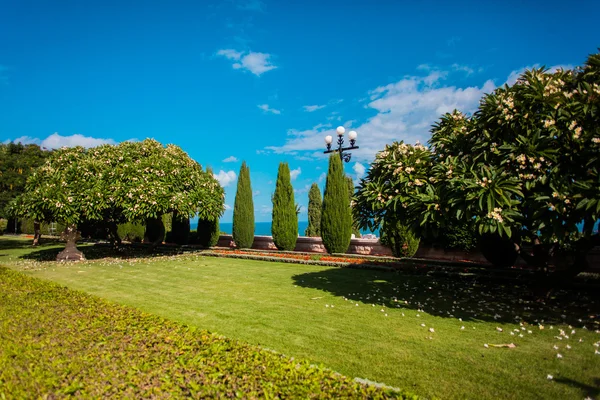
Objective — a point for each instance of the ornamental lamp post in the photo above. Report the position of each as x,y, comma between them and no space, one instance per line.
340,142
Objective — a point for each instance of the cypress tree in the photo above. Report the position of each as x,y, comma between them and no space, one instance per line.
284,227
243,211
355,229
336,218
314,212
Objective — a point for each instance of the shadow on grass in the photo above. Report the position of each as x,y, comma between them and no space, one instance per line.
466,297
103,250
15,242
590,391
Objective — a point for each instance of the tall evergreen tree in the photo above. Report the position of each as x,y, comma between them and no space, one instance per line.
285,219
336,219
243,211
355,229
315,203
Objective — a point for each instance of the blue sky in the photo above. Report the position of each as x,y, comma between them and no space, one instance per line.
266,81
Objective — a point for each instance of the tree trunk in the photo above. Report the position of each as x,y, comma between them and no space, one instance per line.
70,253
37,233
113,234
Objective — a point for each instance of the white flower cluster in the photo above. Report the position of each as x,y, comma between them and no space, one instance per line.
484,182
507,106
496,214
576,130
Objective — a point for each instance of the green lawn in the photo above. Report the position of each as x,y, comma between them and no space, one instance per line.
349,320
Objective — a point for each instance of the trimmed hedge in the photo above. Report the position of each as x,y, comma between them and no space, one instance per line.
131,232
57,343
399,238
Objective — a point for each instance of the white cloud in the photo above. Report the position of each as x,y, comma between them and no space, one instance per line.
228,207
313,108
359,169
225,178
305,189
514,75
230,54
464,68
230,159
295,173
406,109
266,108
265,210
322,177
257,63
56,141
256,193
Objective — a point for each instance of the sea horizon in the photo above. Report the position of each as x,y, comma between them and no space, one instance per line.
264,228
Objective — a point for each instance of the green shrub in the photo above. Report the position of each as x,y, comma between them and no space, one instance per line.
208,233
131,232
3,225
336,218
26,227
399,238
355,228
315,203
180,229
155,231
93,348
284,227
243,211
455,237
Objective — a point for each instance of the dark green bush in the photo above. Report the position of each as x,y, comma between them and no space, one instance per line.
284,227
315,204
155,231
243,211
26,227
180,229
336,218
92,348
399,238
131,232
208,233
455,237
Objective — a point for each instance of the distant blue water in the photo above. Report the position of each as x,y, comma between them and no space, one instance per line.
264,228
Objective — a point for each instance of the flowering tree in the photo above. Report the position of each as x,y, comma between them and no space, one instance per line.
524,166
133,181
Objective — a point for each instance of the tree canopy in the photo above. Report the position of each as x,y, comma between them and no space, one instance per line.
132,181
16,163
523,166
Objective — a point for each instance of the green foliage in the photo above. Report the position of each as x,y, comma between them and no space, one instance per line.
140,355
336,218
355,227
180,230
526,164
131,181
17,161
284,227
155,230
459,236
399,238
131,231
243,211
208,233
46,228
3,225
315,204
